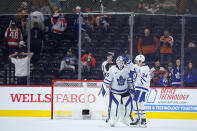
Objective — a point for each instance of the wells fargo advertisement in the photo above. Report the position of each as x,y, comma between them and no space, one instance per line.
175,103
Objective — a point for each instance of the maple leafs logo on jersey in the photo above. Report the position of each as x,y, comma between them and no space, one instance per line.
121,81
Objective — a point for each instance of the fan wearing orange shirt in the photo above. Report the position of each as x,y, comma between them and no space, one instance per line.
88,62
166,43
147,45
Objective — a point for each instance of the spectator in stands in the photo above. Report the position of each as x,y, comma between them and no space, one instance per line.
21,66
169,70
38,18
166,43
76,23
190,76
181,6
156,73
52,3
154,6
47,11
24,7
37,37
87,42
45,8
103,20
68,62
62,4
90,19
88,62
147,45
164,80
36,4
21,20
22,47
107,63
37,14
13,36
59,25
141,6
191,53
176,74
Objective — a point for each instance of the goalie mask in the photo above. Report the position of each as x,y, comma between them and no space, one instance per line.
120,62
139,59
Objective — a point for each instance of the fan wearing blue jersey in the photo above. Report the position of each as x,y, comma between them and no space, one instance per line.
116,86
141,79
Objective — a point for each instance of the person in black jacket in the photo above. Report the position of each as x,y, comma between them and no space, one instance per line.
36,41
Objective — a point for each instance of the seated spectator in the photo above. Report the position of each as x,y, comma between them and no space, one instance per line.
190,76
169,70
103,20
106,64
13,36
191,53
88,62
164,80
176,74
68,62
156,73
166,43
147,45
154,7
21,66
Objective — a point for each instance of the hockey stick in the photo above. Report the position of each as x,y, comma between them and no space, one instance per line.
135,98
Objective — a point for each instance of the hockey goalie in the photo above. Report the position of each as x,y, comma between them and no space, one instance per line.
141,79
116,86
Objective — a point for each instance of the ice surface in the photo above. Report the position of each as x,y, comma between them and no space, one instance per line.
45,124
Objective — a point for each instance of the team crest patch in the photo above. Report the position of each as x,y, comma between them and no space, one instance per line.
121,81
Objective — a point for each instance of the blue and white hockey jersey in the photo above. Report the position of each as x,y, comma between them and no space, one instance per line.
142,77
118,80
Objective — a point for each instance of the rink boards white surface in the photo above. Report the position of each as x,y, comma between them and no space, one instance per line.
35,101
45,124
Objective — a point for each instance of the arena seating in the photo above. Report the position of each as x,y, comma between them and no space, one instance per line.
46,69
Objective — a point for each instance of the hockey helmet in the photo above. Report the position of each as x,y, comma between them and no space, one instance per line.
140,58
120,62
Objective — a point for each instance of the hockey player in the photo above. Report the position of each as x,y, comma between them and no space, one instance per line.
141,84
116,85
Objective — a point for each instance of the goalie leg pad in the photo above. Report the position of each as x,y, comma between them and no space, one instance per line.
113,109
127,110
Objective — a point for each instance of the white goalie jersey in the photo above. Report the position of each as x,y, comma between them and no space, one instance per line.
118,80
142,77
